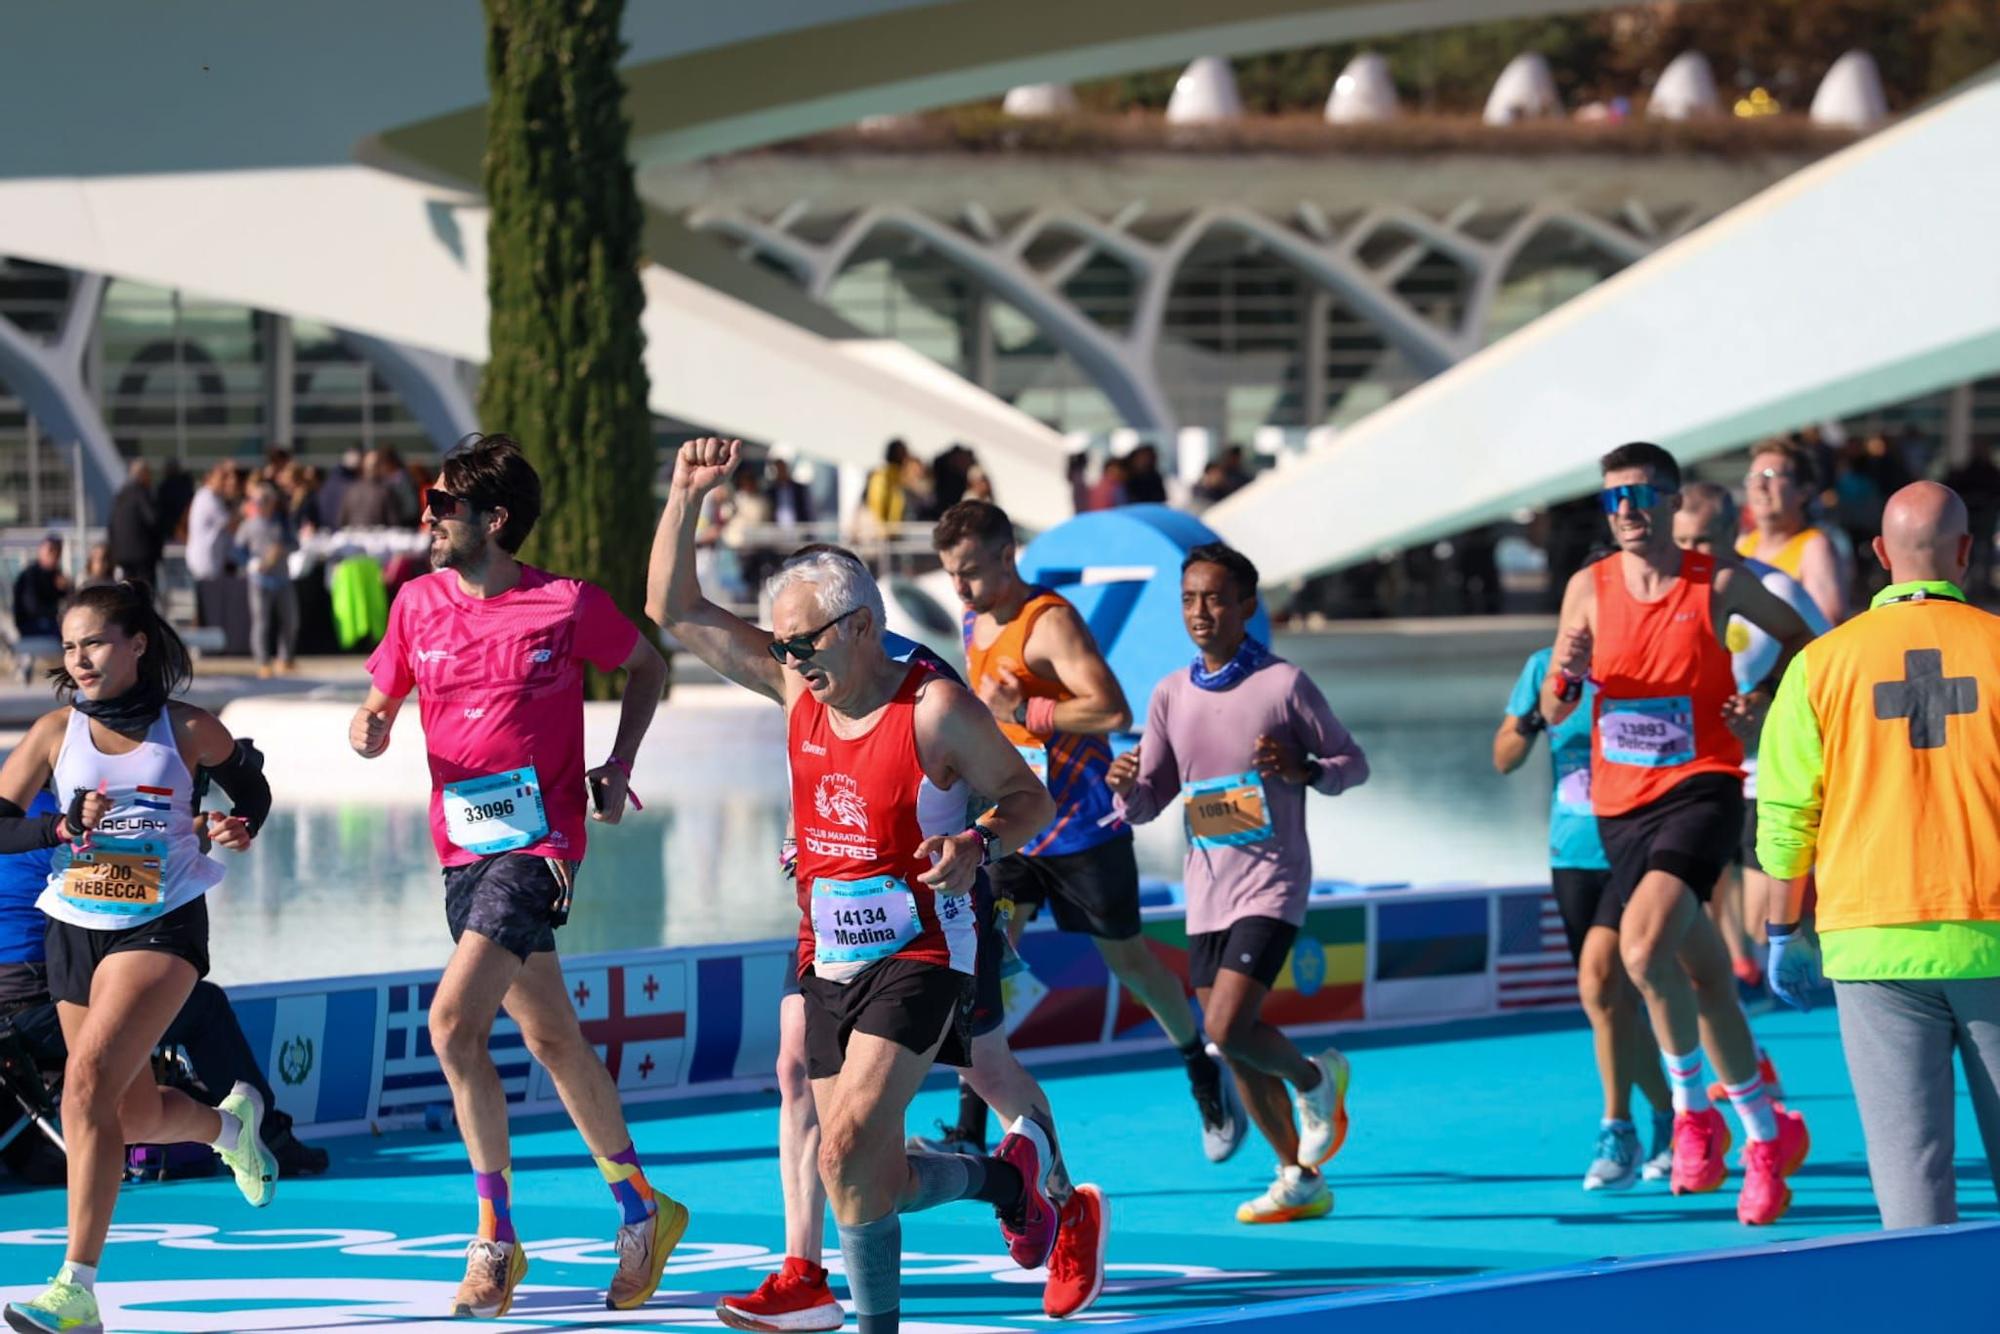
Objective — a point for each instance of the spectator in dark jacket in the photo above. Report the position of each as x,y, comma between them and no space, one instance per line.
134,531
39,591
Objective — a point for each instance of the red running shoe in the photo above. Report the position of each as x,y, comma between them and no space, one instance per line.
1766,1164
796,1297
1029,1227
1701,1139
1076,1266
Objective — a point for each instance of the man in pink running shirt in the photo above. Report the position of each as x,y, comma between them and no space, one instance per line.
496,651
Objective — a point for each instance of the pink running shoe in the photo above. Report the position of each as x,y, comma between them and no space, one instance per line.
1701,1139
1766,1164
1030,1227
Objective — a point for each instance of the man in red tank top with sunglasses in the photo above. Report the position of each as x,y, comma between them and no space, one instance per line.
884,757
1645,625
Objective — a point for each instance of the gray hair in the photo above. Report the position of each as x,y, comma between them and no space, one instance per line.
840,583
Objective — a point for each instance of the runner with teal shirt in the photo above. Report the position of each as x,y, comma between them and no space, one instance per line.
1626,1051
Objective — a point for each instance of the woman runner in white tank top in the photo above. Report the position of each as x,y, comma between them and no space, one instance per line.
128,924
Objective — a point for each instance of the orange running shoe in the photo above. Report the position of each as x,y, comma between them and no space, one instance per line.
1701,1143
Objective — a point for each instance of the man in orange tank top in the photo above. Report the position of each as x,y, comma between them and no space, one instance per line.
1033,661
1779,486
889,988
1646,628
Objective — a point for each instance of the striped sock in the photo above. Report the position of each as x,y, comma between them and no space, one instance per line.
1684,1075
628,1184
496,1214
1753,1108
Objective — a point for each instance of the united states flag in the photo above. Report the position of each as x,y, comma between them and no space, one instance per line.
1533,959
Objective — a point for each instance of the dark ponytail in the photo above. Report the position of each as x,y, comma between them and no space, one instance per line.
165,668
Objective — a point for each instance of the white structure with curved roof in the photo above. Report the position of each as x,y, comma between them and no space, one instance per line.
1809,301
1364,93
1525,90
1685,89
1851,96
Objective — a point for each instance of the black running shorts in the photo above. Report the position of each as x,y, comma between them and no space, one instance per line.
1691,833
509,898
1256,946
1583,900
899,1000
1094,892
75,951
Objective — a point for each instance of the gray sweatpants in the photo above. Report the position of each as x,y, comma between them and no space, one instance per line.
1899,1038
273,607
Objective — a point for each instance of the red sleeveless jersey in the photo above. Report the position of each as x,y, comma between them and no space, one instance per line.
862,806
1662,677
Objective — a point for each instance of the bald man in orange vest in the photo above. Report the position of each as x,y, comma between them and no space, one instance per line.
1881,767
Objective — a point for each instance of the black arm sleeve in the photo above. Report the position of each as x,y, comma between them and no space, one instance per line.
21,832
241,777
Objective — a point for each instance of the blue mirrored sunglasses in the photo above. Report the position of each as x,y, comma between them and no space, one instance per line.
1643,495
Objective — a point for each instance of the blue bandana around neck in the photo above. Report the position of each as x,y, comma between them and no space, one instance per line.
1249,657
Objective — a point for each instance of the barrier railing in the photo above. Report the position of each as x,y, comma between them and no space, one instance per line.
350,1054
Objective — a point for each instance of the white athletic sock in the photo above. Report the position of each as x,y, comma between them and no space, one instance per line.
232,1132
84,1276
1753,1108
1684,1074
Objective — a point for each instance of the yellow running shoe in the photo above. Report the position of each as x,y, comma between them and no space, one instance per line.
65,1308
643,1251
1297,1193
255,1168
493,1269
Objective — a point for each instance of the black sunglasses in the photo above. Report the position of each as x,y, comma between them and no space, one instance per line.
445,505
801,646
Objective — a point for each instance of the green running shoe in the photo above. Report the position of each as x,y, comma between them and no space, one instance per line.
64,1309
256,1170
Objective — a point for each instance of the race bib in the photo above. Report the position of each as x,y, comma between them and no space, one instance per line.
1573,788
1649,733
497,813
1228,812
115,875
861,922
1038,760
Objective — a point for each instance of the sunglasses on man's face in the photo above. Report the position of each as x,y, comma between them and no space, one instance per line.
445,505
802,646
1642,495
1770,476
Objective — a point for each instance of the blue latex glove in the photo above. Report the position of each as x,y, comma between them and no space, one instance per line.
1792,965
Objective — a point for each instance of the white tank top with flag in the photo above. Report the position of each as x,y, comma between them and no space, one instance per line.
142,861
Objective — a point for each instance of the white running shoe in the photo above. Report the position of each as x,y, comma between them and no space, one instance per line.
1660,1158
1616,1166
1323,1110
1223,1121
1296,1193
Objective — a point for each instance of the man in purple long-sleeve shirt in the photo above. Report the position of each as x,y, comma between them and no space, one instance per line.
1240,736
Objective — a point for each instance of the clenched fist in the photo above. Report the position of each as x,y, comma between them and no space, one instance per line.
368,733
704,464
1123,775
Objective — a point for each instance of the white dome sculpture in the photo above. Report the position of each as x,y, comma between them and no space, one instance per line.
1850,96
1363,93
1206,91
1686,89
1525,90
1036,101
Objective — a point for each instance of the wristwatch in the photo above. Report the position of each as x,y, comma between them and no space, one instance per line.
987,838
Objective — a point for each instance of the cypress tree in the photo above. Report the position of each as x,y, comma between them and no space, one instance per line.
565,376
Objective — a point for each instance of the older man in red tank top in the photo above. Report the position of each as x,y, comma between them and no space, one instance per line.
1646,626
883,756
